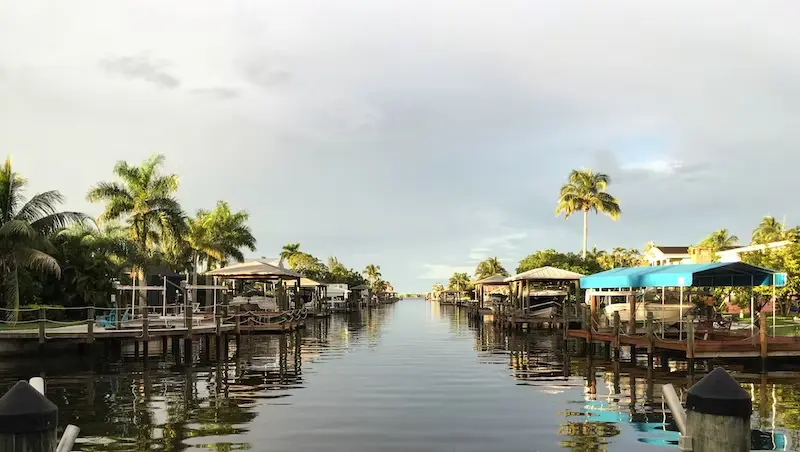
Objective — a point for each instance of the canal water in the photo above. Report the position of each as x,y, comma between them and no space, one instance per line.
413,376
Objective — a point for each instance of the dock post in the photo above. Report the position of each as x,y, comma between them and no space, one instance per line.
615,345
145,337
136,349
187,322
90,325
42,320
28,420
164,341
762,335
690,342
176,349
218,339
718,414
651,339
587,326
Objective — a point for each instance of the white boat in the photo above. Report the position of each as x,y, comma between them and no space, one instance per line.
545,303
668,313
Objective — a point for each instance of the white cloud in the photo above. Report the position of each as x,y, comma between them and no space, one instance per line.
443,272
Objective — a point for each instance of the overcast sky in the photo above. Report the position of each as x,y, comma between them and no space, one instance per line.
418,135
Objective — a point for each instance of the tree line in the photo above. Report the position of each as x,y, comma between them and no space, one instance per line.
53,257
586,191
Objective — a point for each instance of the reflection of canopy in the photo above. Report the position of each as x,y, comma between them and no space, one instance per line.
546,274
494,280
254,270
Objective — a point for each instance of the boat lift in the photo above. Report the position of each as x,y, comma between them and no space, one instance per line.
183,287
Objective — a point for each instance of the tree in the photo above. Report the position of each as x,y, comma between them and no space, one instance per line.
24,231
584,192
373,272
90,259
217,236
771,230
564,261
145,200
309,266
719,240
490,267
459,282
618,257
289,250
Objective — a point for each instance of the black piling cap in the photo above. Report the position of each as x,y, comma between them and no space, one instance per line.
718,393
24,410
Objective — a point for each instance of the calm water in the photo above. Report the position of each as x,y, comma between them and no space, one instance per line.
409,377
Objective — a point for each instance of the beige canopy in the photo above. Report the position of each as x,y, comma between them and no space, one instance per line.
546,274
494,280
258,270
306,282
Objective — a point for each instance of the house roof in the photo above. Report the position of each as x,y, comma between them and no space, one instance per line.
494,280
673,249
256,269
717,274
307,282
546,274
360,287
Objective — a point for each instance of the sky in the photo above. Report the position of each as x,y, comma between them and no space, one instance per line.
422,136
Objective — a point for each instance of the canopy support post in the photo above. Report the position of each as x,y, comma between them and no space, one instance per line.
680,322
662,311
752,309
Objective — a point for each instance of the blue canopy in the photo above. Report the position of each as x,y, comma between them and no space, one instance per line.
716,274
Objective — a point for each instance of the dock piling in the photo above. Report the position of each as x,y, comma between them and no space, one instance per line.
615,345
718,413
28,420
762,335
42,320
690,342
90,325
651,339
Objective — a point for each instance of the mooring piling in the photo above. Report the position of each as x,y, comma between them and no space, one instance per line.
28,420
717,416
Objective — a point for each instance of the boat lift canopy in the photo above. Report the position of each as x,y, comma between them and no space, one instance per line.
716,274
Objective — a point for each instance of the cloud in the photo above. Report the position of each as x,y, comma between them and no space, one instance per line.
141,67
443,271
401,133
217,93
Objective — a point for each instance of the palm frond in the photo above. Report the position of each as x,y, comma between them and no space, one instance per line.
17,231
39,206
57,221
37,261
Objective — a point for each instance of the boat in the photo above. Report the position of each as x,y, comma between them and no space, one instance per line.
668,312
545,303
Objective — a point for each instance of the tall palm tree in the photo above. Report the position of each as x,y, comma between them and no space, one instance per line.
584,192
145,200
769,230
24,230
289,250
372,272
217,236
490,267
719,239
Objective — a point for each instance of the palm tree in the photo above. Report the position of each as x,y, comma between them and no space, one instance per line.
769,230
719,240
289,250
24,231
459,282
145,199
585,191
490,267
216,237
372,272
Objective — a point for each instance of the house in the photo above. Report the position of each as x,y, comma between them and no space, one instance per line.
673,255
667,255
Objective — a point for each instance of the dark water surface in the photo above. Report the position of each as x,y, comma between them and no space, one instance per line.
413,376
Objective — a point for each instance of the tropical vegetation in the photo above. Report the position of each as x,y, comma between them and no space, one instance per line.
56,258
585,191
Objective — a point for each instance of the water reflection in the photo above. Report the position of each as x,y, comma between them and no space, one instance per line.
416,376
624,398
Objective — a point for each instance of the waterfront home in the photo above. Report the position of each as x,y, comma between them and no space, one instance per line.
676,255
667,255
